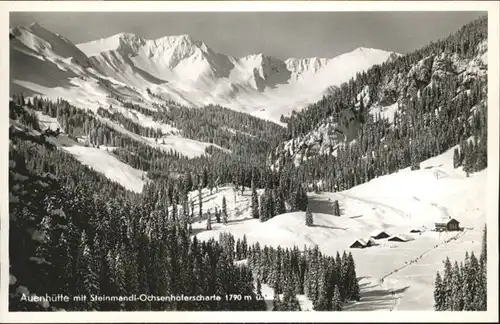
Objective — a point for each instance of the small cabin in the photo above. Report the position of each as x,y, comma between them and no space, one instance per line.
358,244
362,243
448,225
379,235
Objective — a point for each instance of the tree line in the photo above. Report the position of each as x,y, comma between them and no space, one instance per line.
463,287
326,280
237,167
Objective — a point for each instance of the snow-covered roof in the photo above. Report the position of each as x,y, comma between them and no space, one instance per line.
377,232
365,242
445,220
402,237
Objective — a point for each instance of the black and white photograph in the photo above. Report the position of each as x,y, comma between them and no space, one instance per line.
253,160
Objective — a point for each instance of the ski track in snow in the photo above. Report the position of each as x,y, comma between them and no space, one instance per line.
413,261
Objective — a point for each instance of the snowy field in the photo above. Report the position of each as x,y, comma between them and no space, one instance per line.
394,203
100,159
104,162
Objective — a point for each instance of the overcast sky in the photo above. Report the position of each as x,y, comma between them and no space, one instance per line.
280,34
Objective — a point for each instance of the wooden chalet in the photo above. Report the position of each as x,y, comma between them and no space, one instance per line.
448,225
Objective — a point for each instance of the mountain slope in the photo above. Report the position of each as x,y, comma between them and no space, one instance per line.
395,115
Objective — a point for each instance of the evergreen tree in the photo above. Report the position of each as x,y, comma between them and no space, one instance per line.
351,279
473,279
200,203
322,302
204,183
209,222
336,208
482,295
439,294
262,209
336,302
255,202
468,159
484,247
244,247
447,283
87,274
456,289
290,301
224,218
309,217
269,204
468,287
456,158
279,203
238,250
217,215
276,301
224,210
189,182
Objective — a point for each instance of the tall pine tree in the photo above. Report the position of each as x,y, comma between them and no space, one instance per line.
309,217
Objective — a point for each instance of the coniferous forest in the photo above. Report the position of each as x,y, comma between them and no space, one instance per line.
86,235
436,112
463,287
74,232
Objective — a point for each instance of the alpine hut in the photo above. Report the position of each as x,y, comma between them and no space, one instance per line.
450,224
378,234
362,243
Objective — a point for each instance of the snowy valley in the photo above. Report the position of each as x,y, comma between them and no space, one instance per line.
397,203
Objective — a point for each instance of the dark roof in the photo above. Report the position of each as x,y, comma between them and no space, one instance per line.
379,234
441,223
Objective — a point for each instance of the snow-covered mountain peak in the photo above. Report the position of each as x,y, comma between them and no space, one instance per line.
298,66
185,40
258,57
124,42
184,69
178,48
36,39
181,45
362,49
366,51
